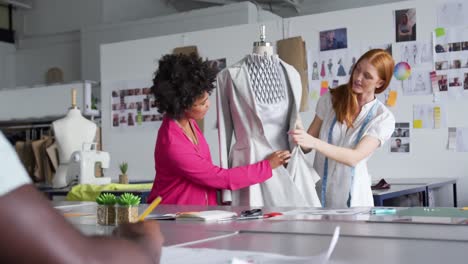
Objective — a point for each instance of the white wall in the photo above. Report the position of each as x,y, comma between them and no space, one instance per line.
374,25
7,64
41,54
215,17
137,60
57,16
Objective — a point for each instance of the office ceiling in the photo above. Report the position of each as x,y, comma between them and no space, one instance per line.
283,8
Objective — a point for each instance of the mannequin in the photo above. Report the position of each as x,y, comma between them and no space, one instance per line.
258,103
70,133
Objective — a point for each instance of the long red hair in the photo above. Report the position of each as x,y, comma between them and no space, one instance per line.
345,101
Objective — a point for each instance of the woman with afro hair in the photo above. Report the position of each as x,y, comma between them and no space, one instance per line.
185,173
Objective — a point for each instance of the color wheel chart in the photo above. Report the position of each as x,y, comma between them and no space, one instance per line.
402,71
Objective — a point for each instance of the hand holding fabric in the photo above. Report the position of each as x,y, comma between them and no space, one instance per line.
303,139
278,158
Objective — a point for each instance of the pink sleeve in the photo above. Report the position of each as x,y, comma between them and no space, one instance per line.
188,163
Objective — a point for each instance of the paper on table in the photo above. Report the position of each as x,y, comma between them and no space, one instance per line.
350,211
211,215
176,255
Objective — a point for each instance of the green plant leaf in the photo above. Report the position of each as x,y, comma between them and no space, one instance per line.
123,167
106,199
128,199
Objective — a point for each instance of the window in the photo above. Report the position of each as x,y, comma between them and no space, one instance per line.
6,25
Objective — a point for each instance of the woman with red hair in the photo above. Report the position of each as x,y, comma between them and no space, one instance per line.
349,125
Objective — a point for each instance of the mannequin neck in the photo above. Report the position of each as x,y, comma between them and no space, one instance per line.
263,50
73,113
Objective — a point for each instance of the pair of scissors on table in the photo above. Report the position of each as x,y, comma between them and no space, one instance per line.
256,214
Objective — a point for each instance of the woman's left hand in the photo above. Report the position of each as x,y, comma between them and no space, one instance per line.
303,139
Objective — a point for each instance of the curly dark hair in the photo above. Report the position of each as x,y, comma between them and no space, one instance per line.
179,81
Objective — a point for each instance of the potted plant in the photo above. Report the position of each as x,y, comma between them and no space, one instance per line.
127,209
123,177
106,209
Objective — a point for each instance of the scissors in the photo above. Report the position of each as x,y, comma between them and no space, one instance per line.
256,214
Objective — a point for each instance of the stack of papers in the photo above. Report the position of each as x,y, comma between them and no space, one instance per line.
212,215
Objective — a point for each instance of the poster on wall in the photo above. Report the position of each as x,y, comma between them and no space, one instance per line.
133,105
333,39
405,25
218,64
400,140
450,46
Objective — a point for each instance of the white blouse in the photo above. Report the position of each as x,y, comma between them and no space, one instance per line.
12,174
380,126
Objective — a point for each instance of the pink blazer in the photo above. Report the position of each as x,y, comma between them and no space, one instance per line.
185,173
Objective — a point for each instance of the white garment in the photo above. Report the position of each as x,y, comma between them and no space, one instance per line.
272,99
241,116
12,174
381,127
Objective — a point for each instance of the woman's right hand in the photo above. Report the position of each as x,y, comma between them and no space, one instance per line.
278,158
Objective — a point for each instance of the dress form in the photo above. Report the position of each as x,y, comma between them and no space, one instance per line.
70,133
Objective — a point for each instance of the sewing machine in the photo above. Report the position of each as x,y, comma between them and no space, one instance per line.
83,165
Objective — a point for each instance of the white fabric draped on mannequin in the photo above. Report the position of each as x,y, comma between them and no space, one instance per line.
258,102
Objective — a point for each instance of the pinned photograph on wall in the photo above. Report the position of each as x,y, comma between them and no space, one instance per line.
218,64
402,130
132,105
442,82
399,145
405,25
455,89
441,65
465,81
333,39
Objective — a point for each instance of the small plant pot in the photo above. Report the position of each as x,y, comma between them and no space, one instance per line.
127,214
123,179
105,214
